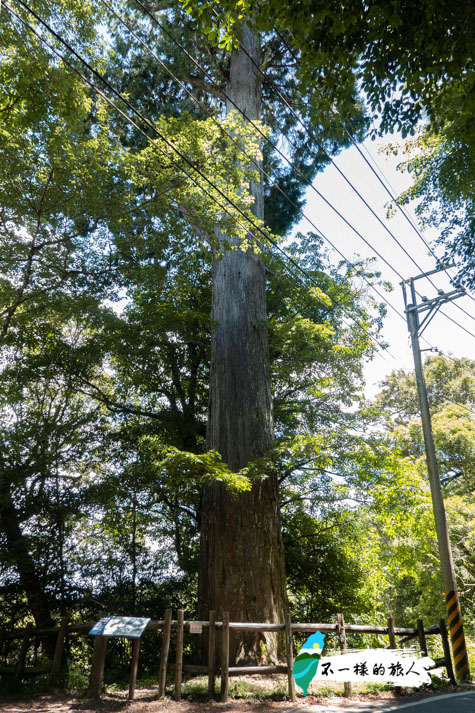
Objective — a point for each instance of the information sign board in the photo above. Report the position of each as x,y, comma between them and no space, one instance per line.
130,626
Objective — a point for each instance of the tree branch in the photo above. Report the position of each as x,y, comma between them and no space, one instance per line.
200,83
200,231
112,405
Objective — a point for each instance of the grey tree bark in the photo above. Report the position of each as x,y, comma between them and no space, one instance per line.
241,551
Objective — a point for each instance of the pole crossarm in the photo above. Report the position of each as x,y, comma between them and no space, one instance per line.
441,299
431,306
441,266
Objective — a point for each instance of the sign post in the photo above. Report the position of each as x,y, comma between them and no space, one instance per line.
130,627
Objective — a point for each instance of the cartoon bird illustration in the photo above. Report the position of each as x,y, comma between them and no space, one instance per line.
306,663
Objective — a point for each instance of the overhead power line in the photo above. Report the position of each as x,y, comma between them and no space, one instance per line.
164,139
389,190
306,180
310,132
259,166
267,237
266,138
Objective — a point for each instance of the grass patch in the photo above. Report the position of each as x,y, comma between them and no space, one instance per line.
272,688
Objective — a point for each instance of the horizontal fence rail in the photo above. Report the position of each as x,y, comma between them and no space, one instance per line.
209,628
158,624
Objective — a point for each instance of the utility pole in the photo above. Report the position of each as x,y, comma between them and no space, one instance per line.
416,327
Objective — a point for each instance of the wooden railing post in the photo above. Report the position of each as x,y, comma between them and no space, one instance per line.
343,647
447,656
211,653
391,634
179,654
225,658
58,652
162,677
289,648
134,667
20,666
421,636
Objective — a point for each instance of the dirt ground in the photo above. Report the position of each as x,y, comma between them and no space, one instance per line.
146,702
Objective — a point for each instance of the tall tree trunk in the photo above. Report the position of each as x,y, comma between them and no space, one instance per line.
241,552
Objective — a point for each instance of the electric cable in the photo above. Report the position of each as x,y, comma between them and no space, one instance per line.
388,188
170,144
143,118
306,180
310,132
259,166
266,138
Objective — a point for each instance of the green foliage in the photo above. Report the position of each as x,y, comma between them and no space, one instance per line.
81,216
325,565
406,56
450,387
447,380
200,91
182,468
315,352
105,293
402,540
443,183
404,513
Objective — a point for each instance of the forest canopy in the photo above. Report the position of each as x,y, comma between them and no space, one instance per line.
114,230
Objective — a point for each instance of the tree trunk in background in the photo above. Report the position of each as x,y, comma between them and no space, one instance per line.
20,557
241,551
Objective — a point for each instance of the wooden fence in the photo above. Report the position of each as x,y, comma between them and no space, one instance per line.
30,636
